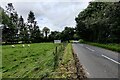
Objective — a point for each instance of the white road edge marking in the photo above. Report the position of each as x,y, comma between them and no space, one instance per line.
110,59
87,73
90,49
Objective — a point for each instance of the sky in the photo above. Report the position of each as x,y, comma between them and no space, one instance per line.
53,14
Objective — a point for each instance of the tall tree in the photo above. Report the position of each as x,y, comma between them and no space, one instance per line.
31,24
10,10
46,31
5,31
22,29
36,33
98,22
8,31
31,17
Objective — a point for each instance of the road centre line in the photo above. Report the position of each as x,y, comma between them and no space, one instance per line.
90,49
110,59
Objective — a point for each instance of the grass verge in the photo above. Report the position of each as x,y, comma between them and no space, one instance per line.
110,46
66,67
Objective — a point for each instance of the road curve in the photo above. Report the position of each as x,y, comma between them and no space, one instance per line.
97,62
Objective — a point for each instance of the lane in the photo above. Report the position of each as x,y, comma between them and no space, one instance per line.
97,62
111,54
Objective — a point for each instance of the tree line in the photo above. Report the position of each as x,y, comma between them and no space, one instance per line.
99,22
15,29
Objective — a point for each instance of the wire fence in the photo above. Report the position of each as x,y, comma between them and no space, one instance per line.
58,53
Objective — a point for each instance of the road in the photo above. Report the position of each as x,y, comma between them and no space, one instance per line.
97,62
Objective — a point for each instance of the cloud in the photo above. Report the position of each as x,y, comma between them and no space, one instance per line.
55,15
49,0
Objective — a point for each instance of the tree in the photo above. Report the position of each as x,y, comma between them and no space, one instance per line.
8,30
10,9
46,31
13,22
22,31
55,35
31,17
112,13
32,25
36,33
67,34
5,31
15,29
98,22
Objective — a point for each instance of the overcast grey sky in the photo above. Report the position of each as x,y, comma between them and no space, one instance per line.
55,14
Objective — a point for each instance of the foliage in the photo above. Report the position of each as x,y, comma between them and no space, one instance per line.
55,35
67,34
46,30
31,17
15,30
34,31
19,31
99,22
8,28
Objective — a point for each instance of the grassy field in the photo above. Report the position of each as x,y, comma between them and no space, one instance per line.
36,61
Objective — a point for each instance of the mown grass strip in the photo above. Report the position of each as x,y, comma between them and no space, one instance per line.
68,56
66,68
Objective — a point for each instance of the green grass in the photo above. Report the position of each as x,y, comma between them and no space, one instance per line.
111,46
68,56
36,61
67,64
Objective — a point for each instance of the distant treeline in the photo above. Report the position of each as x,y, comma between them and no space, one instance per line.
99,22
16,30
